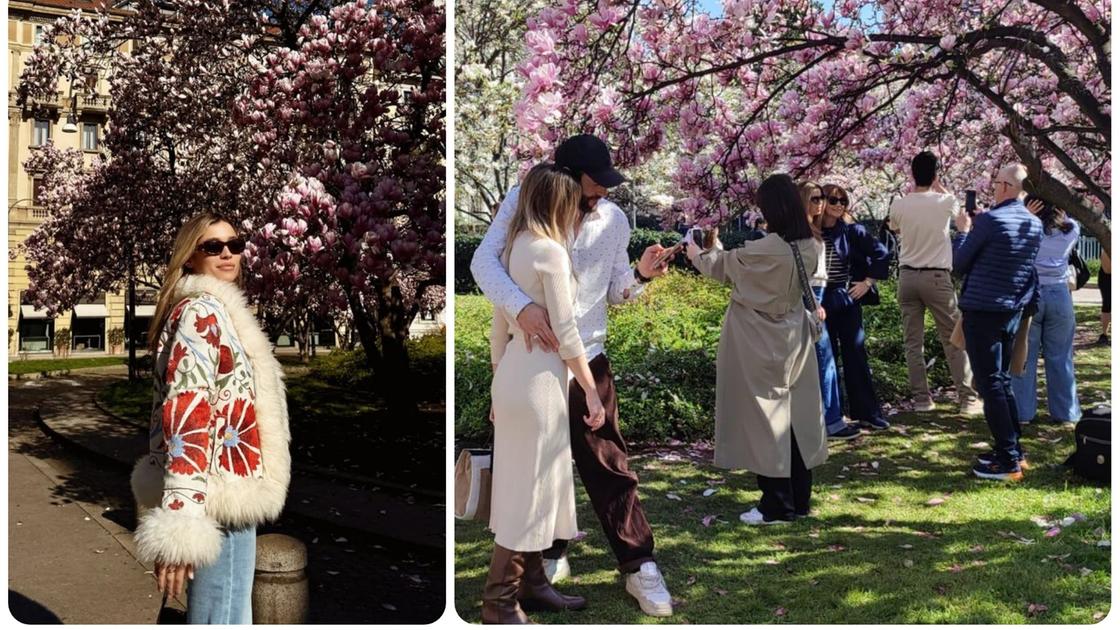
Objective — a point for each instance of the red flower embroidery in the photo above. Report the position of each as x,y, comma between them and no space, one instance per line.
225,360
177,354
176,504
208,328
241,442
186,432
178,312
199,497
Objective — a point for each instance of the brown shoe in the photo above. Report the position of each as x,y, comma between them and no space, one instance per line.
499,596
537,593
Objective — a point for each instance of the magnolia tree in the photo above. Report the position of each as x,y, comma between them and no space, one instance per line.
355,113
488,49
785,85
188,131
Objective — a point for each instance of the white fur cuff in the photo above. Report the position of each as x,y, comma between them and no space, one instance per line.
176,538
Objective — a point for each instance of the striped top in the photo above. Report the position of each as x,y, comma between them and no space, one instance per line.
839,271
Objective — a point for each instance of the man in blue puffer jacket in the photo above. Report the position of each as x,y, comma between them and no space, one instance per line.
996,260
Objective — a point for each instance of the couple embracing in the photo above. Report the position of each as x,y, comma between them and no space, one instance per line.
552,260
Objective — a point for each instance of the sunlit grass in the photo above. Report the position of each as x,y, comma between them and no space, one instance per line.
901,532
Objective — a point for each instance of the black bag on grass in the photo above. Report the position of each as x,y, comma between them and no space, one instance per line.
1092,456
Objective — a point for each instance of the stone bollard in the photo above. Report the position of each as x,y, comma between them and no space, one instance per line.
280,593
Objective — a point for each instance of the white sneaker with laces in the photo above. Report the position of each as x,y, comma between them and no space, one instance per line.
557,570
754,517
648,587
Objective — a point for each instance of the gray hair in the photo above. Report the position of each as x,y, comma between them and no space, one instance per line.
1014,175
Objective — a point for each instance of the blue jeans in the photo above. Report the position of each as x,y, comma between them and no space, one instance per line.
844,322
221,593
1051,333
830,380
988,338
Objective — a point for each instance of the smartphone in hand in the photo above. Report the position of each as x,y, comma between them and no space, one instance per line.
670,252
970,202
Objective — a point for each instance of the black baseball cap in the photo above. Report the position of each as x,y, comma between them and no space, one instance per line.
587,154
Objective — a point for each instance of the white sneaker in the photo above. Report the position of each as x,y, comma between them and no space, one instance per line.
557,570
972,408
754,517
924,405
648,587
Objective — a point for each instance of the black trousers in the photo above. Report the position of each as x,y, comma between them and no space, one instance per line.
786,497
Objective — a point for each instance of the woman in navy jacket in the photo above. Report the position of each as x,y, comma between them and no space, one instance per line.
855,259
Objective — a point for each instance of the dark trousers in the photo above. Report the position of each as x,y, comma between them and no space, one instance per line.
844,320
601,460
988,338
786,497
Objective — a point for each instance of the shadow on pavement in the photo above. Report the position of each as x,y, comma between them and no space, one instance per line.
27,610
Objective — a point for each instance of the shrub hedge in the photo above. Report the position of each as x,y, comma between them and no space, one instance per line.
662,349
347,368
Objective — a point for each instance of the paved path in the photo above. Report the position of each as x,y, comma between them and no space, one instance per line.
68,539
76,419
72,560
1087,295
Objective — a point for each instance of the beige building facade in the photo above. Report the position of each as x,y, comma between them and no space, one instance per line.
74,118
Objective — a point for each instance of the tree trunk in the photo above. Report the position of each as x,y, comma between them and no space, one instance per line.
363,325
395,373
130,320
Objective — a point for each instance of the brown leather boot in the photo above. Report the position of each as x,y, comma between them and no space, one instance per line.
537,593
499,596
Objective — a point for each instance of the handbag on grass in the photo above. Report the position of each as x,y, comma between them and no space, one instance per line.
472,484
816,326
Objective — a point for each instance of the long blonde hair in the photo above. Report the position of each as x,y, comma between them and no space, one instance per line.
806,189
547,206
186,242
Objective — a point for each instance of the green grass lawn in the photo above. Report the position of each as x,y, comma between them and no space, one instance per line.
900,533
35,366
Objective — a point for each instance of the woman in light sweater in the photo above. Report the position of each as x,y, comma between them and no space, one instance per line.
533,494
838,429
1052,327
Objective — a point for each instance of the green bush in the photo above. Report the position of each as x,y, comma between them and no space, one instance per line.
347,368
465,244
662,349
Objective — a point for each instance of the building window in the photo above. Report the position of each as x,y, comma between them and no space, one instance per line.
37,191
38,38
89,136
427,315
41,134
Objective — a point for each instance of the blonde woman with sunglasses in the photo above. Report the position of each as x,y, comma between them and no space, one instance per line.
218,462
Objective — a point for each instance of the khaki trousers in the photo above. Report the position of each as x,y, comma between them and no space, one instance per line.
932,289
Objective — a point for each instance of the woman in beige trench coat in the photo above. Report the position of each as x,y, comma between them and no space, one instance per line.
768,398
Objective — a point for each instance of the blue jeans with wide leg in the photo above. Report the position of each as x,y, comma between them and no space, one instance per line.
1051,334
988,338
844,321
221,593
830,380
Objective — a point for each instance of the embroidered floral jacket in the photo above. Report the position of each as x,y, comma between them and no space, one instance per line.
218,443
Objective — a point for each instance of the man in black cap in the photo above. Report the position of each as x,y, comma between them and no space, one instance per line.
602,264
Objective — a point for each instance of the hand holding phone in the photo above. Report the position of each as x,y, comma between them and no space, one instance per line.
667,255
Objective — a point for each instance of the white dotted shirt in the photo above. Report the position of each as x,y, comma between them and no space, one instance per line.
600,263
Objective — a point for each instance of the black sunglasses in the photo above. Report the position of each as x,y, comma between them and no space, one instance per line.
838,201
214,247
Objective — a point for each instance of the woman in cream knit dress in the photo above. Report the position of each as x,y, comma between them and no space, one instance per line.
533,494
